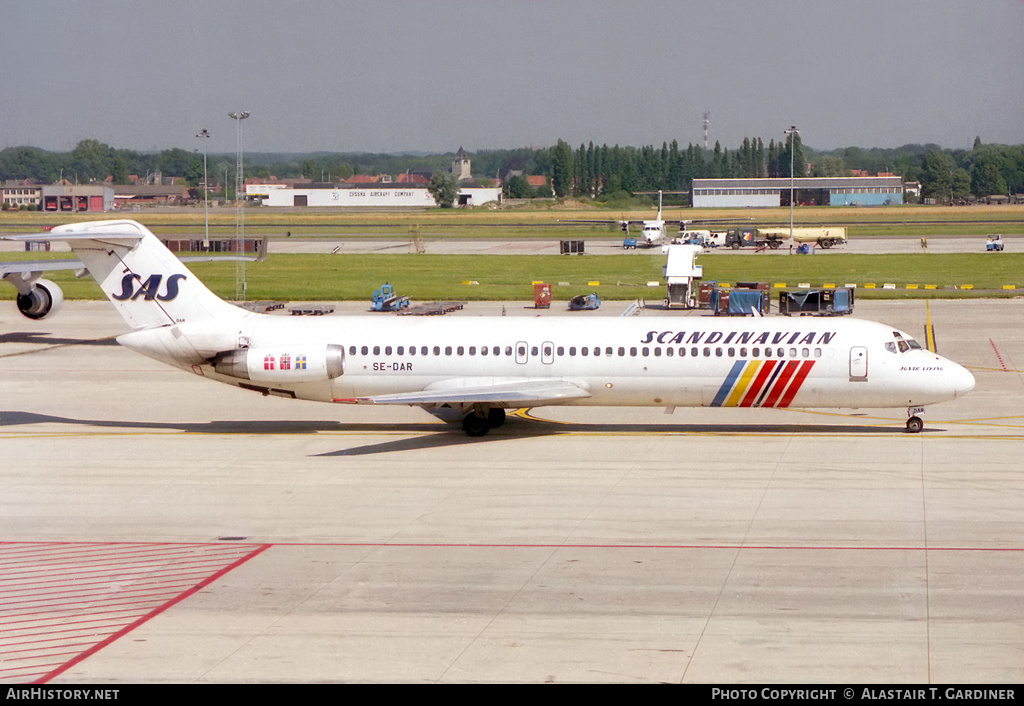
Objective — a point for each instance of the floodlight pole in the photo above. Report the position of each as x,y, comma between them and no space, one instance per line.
239,208
205,135
792,132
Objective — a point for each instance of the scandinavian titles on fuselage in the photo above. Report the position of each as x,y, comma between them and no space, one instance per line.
747,337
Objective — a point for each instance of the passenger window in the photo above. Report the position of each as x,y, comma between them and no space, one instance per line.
608,351
732,352
376,350
496,350
657,351
572,350
669,352
412,350
351,350
632,351
707,352
694,352
437,350
622,352
743,352
533,350
757,352
718,352
472,350
583,351
447,350
508,351
805,353
387,350
792,352
645,351
483,350
365,350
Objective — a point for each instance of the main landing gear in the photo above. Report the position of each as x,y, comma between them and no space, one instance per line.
915,424
479,422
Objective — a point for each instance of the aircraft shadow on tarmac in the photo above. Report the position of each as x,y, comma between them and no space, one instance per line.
434,435
45,339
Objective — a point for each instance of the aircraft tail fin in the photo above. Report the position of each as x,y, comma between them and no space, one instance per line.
147,284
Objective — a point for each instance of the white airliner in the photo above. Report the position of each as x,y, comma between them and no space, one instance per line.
476,368
654,231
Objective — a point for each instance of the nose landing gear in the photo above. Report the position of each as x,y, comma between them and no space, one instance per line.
915,424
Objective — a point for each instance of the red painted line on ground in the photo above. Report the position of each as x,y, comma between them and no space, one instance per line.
155,612
759,547
998,357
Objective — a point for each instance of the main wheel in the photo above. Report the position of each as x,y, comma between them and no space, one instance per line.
495,417
915,425
474,425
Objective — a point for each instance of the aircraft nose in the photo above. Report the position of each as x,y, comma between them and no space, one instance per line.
963,382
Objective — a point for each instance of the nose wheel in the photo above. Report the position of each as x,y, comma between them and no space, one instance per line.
915,425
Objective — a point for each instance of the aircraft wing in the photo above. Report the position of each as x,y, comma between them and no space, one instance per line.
509,393
690,221
610,221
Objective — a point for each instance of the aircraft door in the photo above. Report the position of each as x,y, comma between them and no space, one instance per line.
522,352
858,363
547,353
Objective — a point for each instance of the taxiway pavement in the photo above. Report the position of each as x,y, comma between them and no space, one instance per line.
284,541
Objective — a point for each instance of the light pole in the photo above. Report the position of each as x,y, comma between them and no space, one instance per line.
205,135
792,132
239,209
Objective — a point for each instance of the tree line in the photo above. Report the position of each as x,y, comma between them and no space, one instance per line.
600,172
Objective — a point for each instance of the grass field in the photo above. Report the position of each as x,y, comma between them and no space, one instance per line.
543,220
426,277
504,277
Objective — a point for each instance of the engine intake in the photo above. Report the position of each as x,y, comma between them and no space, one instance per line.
44,299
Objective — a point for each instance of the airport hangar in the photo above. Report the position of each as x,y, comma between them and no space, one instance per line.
810,191
365,195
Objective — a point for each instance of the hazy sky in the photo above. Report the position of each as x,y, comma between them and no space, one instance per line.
431,75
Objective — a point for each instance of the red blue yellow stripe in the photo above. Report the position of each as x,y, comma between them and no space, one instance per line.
762,383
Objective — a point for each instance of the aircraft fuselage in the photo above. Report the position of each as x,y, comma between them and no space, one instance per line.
645,361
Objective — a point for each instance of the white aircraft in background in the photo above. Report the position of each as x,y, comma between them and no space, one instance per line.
655,231
474,368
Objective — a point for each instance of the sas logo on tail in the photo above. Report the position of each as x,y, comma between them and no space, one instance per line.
150,289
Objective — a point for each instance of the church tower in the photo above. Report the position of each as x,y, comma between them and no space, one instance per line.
461,166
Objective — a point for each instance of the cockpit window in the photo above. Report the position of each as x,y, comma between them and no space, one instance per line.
890,346
904,343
